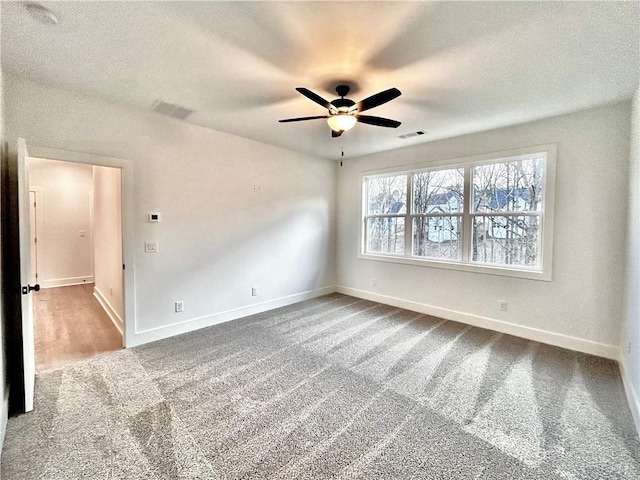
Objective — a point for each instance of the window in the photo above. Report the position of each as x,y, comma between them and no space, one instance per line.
506,212
492,214
386,210
437,213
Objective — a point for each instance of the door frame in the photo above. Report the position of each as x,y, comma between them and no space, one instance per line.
128,242
37,228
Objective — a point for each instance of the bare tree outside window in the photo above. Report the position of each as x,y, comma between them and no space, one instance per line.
386,199
437,207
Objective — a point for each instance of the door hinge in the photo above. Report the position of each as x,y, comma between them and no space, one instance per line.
123,266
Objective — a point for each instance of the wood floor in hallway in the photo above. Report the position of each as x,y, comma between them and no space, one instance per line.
70,324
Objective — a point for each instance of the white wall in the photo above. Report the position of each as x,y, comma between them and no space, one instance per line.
64,256
217,238
582,307
107,241
630,344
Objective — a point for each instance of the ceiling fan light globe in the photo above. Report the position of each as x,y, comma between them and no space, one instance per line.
341,122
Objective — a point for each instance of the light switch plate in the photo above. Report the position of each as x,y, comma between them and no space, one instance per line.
151,247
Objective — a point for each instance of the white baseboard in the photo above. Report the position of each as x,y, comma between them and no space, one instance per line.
633,396
113,315
4,418
65,282
151,335
543,336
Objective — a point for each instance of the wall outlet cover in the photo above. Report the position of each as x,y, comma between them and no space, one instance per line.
151,247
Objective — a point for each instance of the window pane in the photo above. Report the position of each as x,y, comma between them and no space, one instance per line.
438,191
385,235
387,195
508,186
438,237
506,240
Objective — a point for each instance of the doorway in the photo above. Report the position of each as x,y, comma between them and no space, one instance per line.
76,252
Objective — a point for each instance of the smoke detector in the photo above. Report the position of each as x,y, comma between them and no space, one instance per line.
41,14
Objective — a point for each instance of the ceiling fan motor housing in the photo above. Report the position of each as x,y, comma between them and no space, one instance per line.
343,103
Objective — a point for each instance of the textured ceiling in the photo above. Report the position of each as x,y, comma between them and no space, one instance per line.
462,66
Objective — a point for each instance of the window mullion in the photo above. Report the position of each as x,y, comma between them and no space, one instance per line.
365,218
466,216
408,223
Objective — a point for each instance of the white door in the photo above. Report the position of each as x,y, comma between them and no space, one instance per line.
28,342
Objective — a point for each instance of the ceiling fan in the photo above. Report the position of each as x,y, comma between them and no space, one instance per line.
343,113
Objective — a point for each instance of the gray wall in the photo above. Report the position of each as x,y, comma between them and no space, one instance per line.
581,308
630,344
217,237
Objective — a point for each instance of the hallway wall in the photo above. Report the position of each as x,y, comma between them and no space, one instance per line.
65,253
107,244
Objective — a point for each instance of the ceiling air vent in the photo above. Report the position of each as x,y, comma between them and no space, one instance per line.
175,111
412,134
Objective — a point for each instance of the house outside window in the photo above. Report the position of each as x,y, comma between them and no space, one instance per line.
489,214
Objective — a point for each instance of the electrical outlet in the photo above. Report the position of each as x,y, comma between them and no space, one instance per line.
254,292
179,306
374,282
502,306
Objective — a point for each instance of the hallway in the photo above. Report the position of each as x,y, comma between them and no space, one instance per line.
70,324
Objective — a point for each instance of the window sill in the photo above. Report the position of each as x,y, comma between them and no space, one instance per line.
528,274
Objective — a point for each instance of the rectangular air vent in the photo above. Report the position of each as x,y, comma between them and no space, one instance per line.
175,111
412,134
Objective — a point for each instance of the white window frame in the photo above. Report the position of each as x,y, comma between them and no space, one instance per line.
542,272
396,216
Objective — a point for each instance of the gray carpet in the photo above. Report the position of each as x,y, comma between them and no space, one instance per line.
335,387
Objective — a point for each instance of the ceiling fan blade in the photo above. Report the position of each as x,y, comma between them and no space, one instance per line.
378,99
302,119
378,121
314,97
335,134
